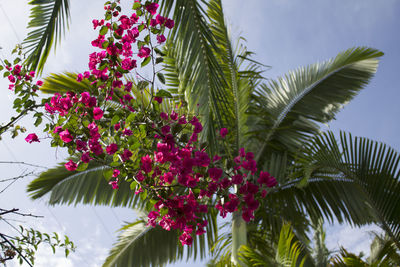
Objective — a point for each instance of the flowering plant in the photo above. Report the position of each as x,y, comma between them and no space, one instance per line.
137,131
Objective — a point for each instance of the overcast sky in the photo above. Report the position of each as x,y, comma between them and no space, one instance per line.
284,34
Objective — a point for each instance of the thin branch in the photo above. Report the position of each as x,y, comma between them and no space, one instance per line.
18,213
13,120
16,178
21,162
19,252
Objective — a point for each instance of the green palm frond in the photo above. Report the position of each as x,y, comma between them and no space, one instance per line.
370,168
192,47
348,259
142,246
86,187
288,252
289,109
384,251
48,21
64,82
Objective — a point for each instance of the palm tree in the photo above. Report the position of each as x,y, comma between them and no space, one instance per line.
280,119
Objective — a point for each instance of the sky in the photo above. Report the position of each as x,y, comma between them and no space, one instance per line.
284,34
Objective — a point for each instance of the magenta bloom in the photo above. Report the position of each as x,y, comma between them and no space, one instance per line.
114,184
111,149
144,52
86,157
126,155
65,136
97,113
161,38
186,239
11,78
158,99
215,173
32,138
169,23
39,83
223,132
152,8
146,164
116,172
71,166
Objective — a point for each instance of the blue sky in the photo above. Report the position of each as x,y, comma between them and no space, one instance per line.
284,34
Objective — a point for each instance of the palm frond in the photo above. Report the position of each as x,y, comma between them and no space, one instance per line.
370,168
290,108
142,246
192,48
86,187
48,21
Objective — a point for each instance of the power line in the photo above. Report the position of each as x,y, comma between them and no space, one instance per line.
10,23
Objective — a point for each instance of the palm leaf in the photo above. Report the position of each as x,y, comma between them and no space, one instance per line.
370,168
192,48
49,18
287,110
86,187
140,245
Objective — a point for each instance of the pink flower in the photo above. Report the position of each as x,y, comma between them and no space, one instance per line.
197,127
114,184
126,155
223,132
152,8
165,129
65,136
39,83
169,23
116,172
71,166
32,138
146,164
111,149
158,99
186,239
32,73
152,217
86,157
164,116
97,113
144,52
215,173
80,77
161,38
11,78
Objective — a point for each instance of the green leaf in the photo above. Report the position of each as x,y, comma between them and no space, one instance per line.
103,30
163,93
161,77
82,166
115,119
136,5
145,61
48,21
130,118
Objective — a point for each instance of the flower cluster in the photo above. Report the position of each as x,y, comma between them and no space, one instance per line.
155,149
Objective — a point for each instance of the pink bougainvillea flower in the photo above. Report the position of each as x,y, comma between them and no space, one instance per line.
65,136
11,78
215,173
169,23
158,99
161,38
126,155
71,166
97,113
39,83
144,52
116,172
86,158
146,164
111,149
114,184
32,138
223,132
79,78
152,8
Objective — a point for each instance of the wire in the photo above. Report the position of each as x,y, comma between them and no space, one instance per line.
11,24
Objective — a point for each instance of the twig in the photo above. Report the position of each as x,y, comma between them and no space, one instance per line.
19,252
21,162
18,213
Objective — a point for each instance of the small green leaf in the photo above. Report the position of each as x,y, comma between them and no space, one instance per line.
1,67
108,174
136,5
140,27
145,61
130,118
161,77
105,44
83,166
147,39
17,60
115,119
103,30
142,85
163,93
159,60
